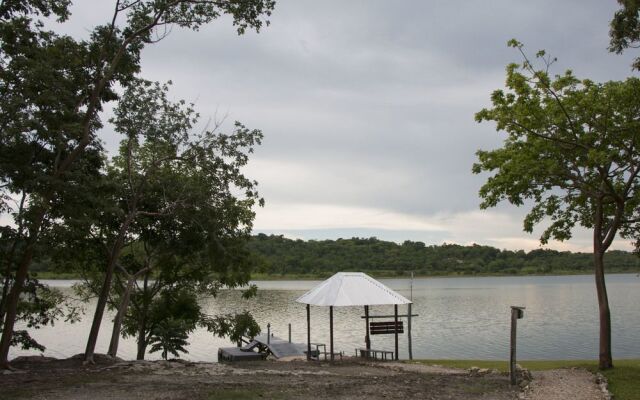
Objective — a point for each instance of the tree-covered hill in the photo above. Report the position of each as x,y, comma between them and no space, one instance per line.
279,256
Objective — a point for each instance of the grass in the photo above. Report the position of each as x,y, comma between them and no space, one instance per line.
624,378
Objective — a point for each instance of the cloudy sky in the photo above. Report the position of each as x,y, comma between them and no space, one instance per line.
367,106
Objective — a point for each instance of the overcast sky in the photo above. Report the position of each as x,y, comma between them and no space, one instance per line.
368,106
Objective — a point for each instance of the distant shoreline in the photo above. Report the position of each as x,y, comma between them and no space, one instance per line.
311,277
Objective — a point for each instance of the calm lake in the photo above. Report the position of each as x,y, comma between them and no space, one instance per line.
459,318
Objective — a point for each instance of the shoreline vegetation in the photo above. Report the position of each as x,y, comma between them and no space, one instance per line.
52,275
274,257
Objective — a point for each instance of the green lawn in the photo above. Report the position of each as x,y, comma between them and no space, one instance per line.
624,379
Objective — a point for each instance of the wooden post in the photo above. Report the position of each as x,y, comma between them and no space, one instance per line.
331,331
268,333
409,331
367,338
395,317
516,314
289,333
308,332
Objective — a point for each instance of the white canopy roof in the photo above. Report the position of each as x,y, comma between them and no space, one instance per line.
351,289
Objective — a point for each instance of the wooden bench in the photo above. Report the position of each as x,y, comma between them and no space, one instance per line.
373,353
315,354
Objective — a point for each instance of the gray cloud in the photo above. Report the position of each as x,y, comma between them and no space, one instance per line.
370,104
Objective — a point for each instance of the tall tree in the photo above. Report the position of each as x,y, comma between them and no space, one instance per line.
572,151
44,126
625,29
53,87
156,133
172,190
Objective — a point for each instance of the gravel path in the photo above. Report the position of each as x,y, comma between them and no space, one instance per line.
561,384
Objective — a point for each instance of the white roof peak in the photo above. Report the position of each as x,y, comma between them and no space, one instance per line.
351,289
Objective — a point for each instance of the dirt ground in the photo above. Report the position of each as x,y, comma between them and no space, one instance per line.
43,378
48,378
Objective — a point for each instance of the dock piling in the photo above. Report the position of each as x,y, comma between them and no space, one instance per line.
516,314
395,327
409,344
308,332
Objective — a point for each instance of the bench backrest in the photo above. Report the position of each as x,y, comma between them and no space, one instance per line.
387,327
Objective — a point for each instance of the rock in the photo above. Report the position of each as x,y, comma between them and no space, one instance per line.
602,383
12,371
98,358
523,374
476,371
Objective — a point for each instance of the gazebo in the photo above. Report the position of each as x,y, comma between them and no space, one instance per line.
345,289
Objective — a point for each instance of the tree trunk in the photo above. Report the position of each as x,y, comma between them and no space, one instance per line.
7,280
10,257
12,305
5,292
99,313
142,324
601,243
605,357
117,322
142,341
106,287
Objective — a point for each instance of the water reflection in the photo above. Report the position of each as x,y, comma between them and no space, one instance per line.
460,318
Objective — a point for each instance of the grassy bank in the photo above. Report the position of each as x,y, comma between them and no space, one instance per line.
624,379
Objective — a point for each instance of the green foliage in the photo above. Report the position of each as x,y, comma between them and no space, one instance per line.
52,89
233,326
174,314
40,306
170,336
176,210
279,256
571,150
625,28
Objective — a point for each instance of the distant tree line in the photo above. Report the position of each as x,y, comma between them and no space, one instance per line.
277,255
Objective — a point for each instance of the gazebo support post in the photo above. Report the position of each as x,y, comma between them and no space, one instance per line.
395,318
367,338
331,331
308,332
409,331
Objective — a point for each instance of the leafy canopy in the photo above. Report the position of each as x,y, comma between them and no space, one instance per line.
625,28
571,149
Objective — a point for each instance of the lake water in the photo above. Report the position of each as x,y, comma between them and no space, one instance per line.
459,318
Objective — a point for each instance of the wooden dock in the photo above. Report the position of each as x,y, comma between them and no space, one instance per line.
264,345
280,348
